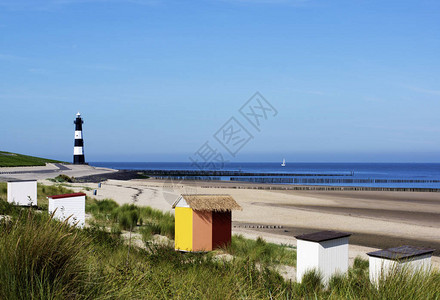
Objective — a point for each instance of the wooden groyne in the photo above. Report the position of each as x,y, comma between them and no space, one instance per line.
329,180
325,188
220,173
321,183
276,184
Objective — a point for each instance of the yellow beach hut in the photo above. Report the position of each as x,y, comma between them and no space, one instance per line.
203,222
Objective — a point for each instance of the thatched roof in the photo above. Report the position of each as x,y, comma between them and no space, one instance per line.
210,202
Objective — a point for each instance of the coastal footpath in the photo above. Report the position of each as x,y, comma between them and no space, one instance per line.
50,170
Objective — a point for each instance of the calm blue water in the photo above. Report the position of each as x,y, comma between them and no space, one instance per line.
409,175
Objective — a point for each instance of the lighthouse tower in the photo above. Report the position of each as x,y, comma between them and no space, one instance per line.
78,150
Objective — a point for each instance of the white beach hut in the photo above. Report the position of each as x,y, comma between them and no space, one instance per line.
324,251
22,192
69,205
383,261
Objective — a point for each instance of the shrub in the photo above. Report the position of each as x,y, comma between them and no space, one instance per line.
63,178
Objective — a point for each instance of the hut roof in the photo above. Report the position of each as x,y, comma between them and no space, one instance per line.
210,202
322,236
66,195
22,180
402,252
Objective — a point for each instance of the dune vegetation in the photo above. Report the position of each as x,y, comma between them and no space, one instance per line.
41,258
260,251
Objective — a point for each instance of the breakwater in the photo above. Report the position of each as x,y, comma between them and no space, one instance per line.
328,180
324,184
324,188
222,173
404,177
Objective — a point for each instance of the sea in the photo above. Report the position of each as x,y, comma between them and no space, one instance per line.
387,175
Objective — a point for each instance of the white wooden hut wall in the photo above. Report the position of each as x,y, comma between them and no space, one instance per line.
69,206
22,192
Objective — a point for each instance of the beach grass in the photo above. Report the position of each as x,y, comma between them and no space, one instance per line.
62,178
43,191
44,258
3,189
41,258
9,159
146,220
261,251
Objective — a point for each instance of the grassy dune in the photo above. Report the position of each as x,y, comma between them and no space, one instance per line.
261,251
8,159
41,258
45,259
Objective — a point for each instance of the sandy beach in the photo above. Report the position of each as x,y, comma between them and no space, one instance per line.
375,219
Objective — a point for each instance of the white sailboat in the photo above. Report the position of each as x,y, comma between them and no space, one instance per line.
284,162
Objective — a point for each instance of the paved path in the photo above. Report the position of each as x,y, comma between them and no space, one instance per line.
51,170
60,167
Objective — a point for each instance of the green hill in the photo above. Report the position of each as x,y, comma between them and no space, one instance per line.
8,159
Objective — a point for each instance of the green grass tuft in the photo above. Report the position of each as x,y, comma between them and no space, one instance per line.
312,282
260,251
62,178
41,257
147,220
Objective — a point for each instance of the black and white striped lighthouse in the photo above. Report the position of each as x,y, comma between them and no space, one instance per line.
78,149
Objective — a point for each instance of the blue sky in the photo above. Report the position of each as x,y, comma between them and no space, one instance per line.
155,79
